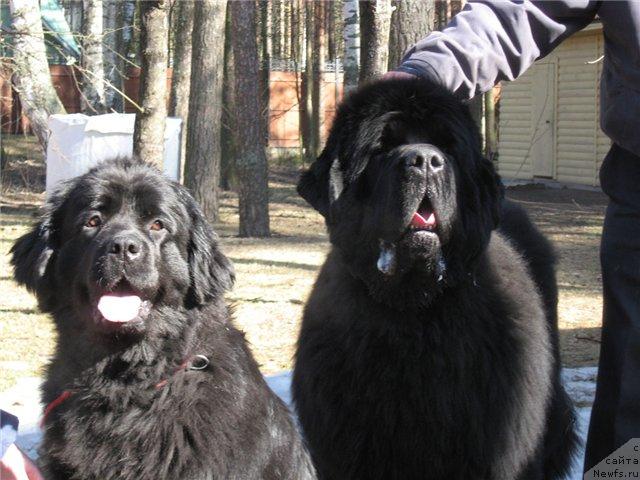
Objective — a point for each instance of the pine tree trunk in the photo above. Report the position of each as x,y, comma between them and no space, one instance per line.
319,54
228,128
251,161
287,28
375,19
330,29
31,75
297,50
274,24
411,21
351,34
265,67
490,127
114,49
202,166
306,106
148,135
92,100
181,79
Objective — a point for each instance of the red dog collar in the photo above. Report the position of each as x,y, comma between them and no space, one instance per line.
196,362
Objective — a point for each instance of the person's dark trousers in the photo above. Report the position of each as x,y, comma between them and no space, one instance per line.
615,418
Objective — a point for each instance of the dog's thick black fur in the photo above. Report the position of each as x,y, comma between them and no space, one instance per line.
138,409
429,345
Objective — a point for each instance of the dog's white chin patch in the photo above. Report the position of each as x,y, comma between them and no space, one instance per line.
117,308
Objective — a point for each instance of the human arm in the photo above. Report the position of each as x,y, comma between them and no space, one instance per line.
490,41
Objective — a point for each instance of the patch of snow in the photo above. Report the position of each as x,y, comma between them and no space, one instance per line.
580,384
280,384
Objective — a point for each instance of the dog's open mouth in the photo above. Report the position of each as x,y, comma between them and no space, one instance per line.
423,224
122,304
424,218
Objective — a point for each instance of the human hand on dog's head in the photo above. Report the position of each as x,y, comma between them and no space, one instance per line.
402,185
397,75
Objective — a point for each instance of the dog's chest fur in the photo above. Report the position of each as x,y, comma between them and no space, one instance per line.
430,372
122,421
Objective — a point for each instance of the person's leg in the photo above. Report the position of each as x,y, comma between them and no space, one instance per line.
615,418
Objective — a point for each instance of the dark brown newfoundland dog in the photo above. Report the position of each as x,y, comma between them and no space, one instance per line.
429,344
150,379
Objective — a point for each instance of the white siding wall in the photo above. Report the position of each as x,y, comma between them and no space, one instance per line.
576,110
579,144
515,128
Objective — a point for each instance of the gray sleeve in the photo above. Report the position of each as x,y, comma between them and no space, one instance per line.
490,41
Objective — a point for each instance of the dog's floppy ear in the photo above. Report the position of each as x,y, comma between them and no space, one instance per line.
483,193
32,259
492,190
33,254
211,272
323,182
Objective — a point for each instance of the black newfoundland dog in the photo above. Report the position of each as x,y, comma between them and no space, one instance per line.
150,379
429,345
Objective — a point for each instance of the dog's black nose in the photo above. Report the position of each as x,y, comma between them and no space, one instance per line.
126,245
424,158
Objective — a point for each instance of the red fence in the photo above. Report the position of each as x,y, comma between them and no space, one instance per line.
284,113
66,81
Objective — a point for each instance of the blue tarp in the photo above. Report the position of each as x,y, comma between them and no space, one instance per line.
56,24
60,41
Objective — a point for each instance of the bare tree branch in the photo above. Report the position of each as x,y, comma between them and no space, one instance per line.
32,79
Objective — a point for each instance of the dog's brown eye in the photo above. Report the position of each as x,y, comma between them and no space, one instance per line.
157,225
94,221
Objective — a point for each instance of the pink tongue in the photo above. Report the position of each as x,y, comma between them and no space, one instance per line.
418,221
119,308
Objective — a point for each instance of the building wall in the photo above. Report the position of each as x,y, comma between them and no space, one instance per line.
516,128
578,144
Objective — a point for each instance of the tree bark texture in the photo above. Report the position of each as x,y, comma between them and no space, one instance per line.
228,127
148,135
114,52
297,34
297,52
202,163
490,126
286,28
351,35
306,106
375,19
411,21
319,56
181,79
330,28
31,75
92,100
265,67
251,160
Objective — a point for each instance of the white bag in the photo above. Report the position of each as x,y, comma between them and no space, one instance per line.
79,142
